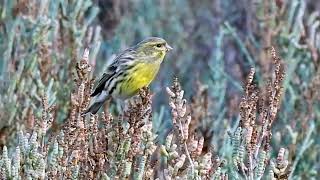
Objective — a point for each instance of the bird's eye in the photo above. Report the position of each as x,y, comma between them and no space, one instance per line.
159,45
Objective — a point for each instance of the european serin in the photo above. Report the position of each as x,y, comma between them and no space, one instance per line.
131,70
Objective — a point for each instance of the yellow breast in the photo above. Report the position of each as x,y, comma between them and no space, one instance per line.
142,75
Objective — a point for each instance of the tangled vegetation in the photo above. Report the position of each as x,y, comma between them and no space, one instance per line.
235,111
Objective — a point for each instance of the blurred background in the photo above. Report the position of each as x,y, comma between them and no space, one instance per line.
215,42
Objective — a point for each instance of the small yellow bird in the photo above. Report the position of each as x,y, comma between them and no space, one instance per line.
131,70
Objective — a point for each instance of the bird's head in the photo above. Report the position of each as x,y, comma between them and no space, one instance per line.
154,46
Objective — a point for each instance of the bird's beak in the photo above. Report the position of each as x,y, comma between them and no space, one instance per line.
168,47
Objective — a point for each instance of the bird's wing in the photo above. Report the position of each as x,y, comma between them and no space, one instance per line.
124,58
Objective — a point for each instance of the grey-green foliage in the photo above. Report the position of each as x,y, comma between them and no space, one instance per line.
26,158
236,144
205,36
259,171
296,35
28,161
38,50
300,65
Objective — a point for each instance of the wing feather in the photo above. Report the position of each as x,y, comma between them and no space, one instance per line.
124,58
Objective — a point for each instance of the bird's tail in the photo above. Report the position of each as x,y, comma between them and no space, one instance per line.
94,107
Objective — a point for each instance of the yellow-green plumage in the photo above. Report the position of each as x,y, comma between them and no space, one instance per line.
141,76
130,71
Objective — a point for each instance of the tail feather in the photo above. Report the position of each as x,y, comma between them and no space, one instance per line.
94,108
98,102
